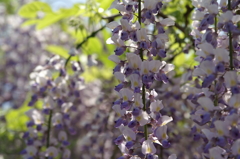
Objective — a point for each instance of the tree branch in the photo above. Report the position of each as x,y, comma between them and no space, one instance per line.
93,34
179,27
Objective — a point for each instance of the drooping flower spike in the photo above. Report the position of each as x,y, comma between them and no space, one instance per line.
51,123
217,47
139,122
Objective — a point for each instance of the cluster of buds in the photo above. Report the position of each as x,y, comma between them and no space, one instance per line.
138,108
217,86
50,123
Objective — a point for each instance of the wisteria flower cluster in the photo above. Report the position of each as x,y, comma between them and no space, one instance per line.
174,95
18,64
94,124
138,109
24,49
50,124
217,86
157,114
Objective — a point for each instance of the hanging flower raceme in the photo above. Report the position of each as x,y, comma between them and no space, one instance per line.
216,107
50,122
138,110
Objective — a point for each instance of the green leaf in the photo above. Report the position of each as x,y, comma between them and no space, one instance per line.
184,60
48,20
105,4
58,50
95,72
79,34
75,10
30,10
106,62
30,22
179,60
16,118
93,45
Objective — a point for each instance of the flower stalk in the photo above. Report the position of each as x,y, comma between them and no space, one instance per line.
230,41
220,84
143,86
49,128
230,51
137,75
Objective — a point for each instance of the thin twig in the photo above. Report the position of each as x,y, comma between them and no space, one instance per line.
93,34
49,129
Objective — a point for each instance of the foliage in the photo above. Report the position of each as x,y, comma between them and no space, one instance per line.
83,56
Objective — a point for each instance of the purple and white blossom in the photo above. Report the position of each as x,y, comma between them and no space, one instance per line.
137,74
215,32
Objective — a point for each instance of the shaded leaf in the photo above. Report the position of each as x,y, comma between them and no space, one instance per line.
19,114
58,50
